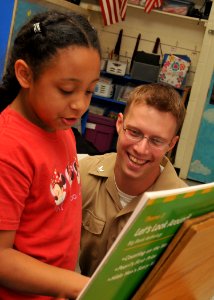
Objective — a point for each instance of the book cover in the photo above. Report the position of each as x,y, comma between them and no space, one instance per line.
144,239
187,259
174,71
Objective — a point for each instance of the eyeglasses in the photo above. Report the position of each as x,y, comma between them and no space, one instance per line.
137,136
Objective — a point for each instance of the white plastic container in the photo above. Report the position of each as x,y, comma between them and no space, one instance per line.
104,89
116,67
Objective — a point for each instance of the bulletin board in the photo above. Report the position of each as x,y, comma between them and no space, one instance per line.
24,11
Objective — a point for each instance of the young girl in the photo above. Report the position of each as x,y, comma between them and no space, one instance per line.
52,72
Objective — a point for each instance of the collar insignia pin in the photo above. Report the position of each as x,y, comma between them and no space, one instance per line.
100,169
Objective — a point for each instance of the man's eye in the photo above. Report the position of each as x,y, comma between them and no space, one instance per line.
134,132
156,142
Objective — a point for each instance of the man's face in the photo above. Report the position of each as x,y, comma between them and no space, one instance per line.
139,159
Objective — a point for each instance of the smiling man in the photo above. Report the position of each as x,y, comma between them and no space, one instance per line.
112,184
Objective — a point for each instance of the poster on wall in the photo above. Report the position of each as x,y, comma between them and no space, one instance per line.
25,10
202,163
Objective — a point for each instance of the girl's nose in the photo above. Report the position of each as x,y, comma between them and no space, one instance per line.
80,103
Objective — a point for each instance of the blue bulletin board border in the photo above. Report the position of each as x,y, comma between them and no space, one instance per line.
6,12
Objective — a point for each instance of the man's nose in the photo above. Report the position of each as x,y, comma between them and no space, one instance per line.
143,144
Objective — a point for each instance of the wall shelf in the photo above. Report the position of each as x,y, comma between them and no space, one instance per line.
170,14
94,97
95,7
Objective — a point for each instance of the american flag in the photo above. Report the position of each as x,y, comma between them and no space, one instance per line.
150,4
113,11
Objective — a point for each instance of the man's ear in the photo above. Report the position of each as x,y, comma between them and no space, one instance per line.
119,123
173,142
23,73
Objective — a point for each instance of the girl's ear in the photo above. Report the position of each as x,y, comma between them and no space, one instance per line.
23,73
119,123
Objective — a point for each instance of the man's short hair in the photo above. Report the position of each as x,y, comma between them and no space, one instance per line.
162,97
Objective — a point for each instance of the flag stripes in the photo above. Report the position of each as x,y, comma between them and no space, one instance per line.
113,11
150,4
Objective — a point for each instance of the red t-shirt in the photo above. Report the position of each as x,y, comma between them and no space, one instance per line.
40,192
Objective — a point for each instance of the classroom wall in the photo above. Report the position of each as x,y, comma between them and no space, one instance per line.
197,101
177,35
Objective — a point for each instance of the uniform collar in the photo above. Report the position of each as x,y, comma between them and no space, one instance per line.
167,178
105,167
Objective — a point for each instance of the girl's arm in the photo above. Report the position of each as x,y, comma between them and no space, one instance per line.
21,272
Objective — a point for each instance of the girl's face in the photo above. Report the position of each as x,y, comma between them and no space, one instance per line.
62,92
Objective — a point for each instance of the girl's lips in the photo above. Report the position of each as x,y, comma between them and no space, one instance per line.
69,121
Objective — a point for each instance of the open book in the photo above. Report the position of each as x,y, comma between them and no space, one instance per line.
144,239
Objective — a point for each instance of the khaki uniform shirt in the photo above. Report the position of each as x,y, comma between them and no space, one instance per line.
103,215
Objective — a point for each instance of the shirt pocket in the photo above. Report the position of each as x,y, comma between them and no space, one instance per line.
92,223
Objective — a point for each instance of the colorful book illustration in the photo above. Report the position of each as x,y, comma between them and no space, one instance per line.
144,239
174,70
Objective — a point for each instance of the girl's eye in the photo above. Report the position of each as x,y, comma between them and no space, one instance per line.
66,92
89,92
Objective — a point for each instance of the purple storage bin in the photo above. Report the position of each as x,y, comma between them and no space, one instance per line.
100,131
